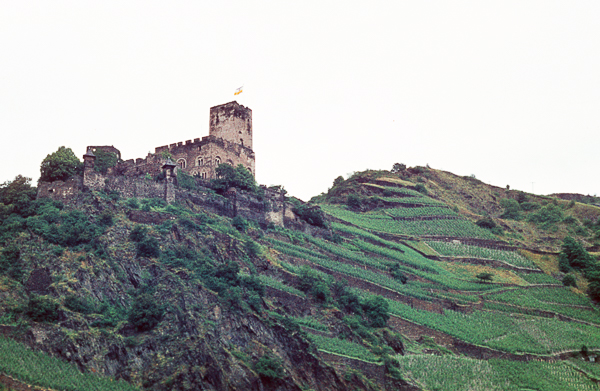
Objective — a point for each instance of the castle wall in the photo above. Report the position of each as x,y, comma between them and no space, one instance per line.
201,157
64,191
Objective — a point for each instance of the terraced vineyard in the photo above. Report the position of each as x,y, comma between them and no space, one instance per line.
39,369
383,223
464,250
509,315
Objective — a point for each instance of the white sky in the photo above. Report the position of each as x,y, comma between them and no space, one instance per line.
506,90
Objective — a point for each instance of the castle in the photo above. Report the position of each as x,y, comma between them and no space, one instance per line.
229,141
155,176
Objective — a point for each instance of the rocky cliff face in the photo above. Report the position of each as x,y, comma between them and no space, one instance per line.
206,322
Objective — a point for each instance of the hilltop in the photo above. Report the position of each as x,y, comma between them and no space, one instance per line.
411,279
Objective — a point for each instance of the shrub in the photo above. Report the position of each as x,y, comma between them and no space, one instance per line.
186,181
148,247
42,309
546,216
106,219
376,311
421,188
512,209
486,222
574,255
485,276
354,201
397,274
138,233
133,203
398,167
9,262
240,223
269,367
145,313
529,206
78,304
569,280
313,215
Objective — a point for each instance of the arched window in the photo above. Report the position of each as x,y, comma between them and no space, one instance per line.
230,162
217,161
203,175
199,161
181,163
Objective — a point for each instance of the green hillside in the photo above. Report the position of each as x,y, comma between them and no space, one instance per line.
417,279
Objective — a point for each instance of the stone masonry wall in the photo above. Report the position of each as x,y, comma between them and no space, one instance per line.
232,122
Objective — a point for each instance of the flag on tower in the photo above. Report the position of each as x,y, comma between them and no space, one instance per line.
238,91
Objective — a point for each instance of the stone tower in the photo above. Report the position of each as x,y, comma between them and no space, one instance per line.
232,122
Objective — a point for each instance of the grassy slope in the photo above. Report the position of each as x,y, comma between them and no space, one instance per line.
509,321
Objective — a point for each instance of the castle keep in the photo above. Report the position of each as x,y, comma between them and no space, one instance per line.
229,141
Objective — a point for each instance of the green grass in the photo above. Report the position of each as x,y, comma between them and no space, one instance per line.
465,250
39,369
524,298
419,212
311,322
383,223
452,373
343,347
538,278
505,332
273,283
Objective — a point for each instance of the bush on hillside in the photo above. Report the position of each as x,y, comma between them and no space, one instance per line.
269,367
512,209
547,216
42,309
186,181
312,214
398,167
486,222
421,188
145,313
569,280
573,255
354,201
485,276
240,223
376,311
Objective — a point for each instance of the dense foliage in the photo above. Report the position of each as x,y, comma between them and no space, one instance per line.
104,160
60,165
229,176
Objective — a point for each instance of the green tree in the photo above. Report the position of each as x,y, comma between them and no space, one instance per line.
60,165
398,167
574,255
16,196
229,176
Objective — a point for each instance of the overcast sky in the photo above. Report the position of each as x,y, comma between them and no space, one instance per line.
506,90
